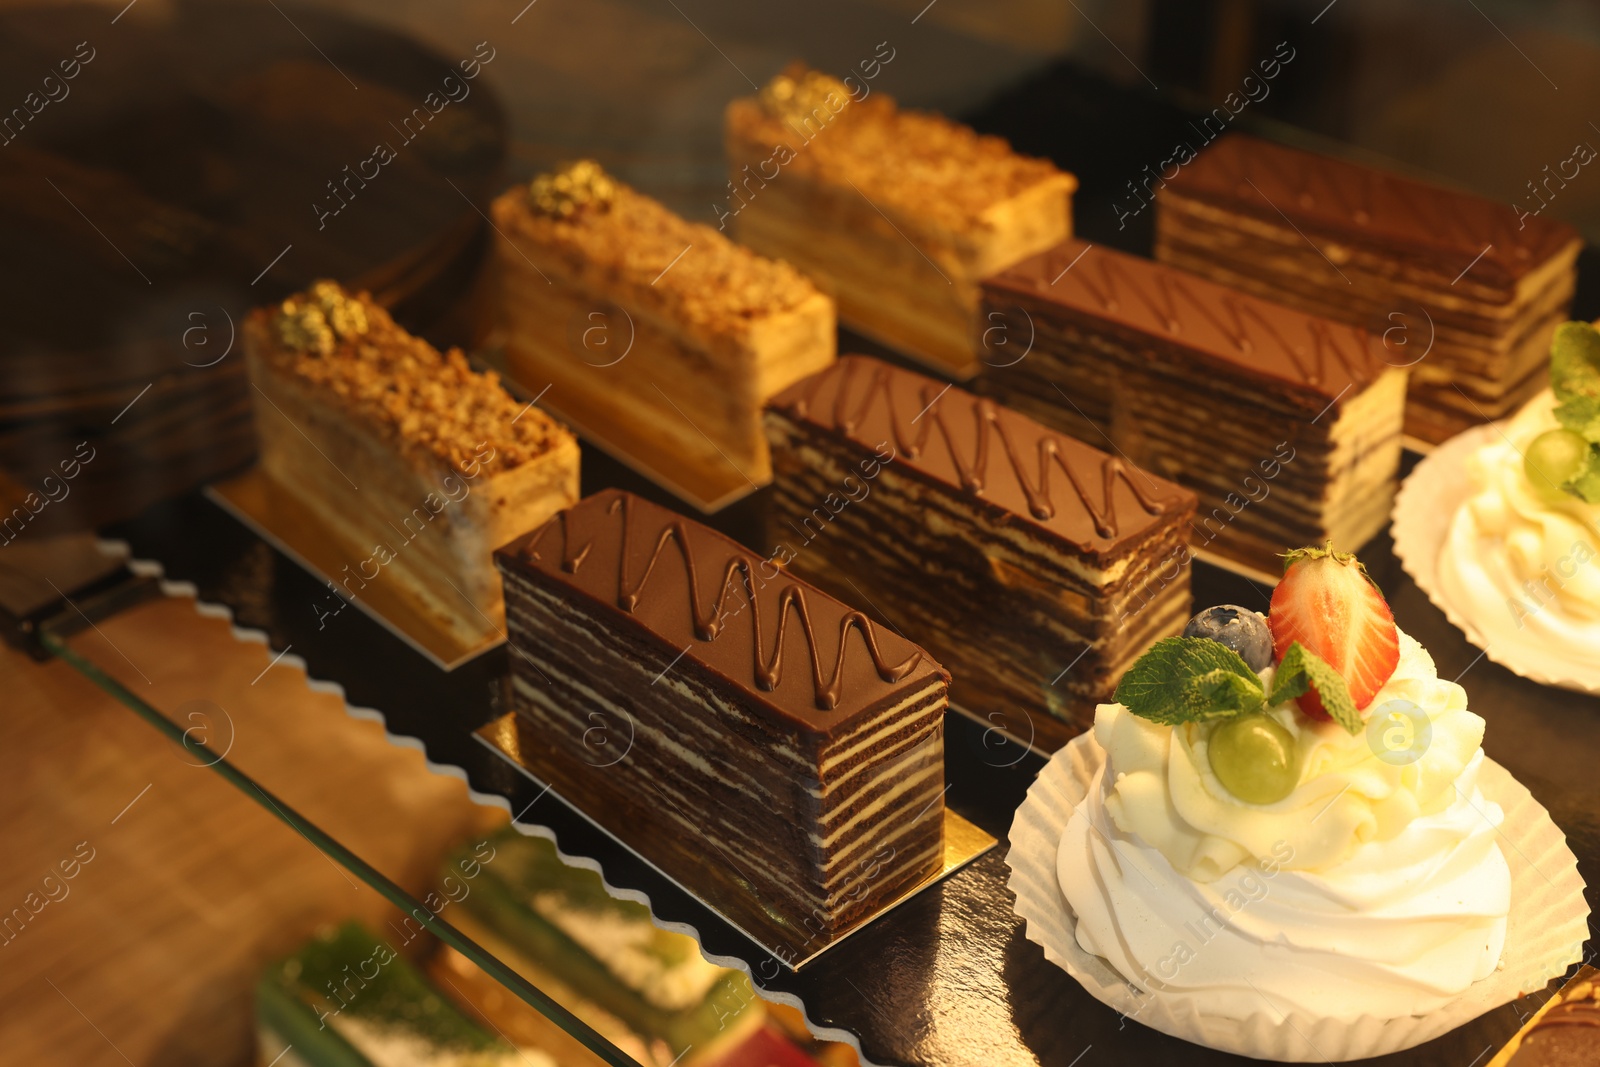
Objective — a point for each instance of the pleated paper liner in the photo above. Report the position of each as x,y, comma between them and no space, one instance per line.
1545,934
1423,512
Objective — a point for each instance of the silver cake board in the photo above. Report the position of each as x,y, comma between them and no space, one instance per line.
963,843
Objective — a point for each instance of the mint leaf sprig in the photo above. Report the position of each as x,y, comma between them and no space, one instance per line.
1300,670
1196,679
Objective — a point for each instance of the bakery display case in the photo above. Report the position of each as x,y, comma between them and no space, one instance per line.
842,708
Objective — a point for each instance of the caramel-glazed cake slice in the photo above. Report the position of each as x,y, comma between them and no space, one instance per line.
660,337
1474,283
767,746
1287,426
419,466
899,213
1036,567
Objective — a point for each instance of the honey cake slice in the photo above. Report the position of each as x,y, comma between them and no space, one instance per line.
1286,425
769,747
656,335
1036,567
1477,285
898,213
416,465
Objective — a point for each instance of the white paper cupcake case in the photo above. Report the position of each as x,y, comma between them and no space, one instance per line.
1544,936
1423,512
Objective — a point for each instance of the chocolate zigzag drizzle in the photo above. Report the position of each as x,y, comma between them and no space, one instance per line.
709,618
1179,303
853,406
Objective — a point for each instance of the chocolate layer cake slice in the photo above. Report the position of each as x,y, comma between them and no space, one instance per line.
1035,566
658,337
1477,285
416,465
898,213
770,748
1287,426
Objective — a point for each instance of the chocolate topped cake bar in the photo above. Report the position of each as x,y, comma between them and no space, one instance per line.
770,748
1466,289
415,464
658,337
1286,426
1564,1032
898,213
1035,566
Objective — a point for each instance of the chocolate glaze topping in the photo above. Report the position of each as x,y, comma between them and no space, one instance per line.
734,613
871,403
1349,202
1235,332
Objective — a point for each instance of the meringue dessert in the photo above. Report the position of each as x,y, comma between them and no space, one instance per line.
1522,558
1288,817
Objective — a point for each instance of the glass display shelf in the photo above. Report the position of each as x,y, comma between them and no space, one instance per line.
947,978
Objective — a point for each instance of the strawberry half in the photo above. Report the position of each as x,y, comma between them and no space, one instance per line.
1327,602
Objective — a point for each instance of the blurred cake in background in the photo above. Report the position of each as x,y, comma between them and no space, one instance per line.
347,999
898,213
1466,289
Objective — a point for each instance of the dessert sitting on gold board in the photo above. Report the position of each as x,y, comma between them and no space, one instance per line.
660,338
900,213
416,465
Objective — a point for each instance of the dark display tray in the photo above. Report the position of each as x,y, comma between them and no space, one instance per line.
949,977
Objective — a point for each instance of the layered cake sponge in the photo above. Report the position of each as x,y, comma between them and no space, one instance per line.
1467,289
647,989
1035,566
347,999
1288,818
1287,426
658,337
417,465
772,749
898,213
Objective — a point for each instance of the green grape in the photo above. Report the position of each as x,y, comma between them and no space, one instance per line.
1254,758
1554,458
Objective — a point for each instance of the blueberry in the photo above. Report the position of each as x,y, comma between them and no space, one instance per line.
1241,629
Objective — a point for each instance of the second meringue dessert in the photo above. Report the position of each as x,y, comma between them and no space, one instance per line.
1288,817
1522,559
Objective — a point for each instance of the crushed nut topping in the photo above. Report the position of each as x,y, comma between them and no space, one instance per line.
319,318
918,163
351,350
802,94
577,185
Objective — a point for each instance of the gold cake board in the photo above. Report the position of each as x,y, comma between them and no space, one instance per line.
963,842
286,524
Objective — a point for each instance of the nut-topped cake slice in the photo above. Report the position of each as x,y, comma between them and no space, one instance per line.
659,337
899,213
417,465
770,748
1286,425
1035,566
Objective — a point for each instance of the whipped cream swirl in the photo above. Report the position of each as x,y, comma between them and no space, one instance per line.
1517,560
1376,887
